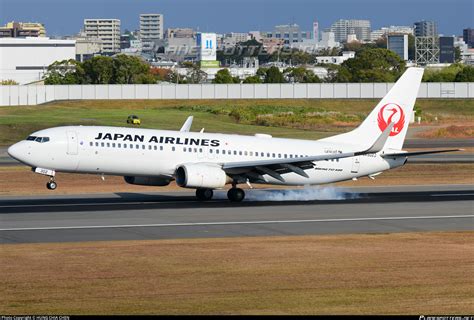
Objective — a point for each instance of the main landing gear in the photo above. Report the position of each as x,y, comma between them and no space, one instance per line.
204,194
235,194
51,185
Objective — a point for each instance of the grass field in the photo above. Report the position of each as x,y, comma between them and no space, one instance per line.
405,273
306,119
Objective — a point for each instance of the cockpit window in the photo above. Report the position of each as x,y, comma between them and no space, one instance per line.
38,139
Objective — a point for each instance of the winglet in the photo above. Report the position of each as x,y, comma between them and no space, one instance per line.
187,124
380,142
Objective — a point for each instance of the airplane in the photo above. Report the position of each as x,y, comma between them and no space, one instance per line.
209,161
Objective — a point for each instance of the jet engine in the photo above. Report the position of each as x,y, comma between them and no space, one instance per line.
201,176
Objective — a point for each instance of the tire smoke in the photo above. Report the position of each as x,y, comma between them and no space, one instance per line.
305,194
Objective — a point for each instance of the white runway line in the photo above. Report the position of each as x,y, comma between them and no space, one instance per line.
193,224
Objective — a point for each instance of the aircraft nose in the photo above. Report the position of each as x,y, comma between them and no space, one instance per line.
16,151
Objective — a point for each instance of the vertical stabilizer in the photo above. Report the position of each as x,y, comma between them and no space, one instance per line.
396,106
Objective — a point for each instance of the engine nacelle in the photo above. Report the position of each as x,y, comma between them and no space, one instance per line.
201,176
148,181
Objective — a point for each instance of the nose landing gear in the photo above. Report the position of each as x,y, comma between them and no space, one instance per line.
51,185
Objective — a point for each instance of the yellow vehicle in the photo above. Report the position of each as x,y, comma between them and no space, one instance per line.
133,119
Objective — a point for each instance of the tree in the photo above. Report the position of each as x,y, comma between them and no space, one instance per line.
65,72
465,75
444,75
195,75
127,69
99,70
224,76
301,75
253,79
274,76
372,65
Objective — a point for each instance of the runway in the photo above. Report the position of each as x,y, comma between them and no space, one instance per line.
179,215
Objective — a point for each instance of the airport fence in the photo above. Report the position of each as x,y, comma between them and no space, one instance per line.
39,94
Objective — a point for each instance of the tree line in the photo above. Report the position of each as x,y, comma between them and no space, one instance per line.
370,65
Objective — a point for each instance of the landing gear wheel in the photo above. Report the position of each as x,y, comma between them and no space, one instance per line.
236,194
204,194
51,185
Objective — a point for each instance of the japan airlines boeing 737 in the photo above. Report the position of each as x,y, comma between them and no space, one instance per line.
208,161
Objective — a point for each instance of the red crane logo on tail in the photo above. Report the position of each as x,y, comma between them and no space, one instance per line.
393,113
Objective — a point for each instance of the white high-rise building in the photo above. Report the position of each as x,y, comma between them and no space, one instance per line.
151,29
107,30
342,28
151,26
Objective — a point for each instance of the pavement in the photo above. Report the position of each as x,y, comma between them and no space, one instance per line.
321,210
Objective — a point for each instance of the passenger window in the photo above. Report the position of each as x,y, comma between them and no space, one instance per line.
102,144
154,147
251,153
273,155
96,144
279,155
235,152
240,153
119,145
217,151
173,148
108,144
245,153
161,148
210,150
184,149
195,150
125,146
200,149
143,146
91,143
268,154
113,145
285,156
137,146
131,146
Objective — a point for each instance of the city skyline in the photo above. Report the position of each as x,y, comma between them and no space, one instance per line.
66,17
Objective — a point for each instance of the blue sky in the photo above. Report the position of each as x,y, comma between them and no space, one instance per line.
63,17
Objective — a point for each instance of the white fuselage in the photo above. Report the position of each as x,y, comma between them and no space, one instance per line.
157,153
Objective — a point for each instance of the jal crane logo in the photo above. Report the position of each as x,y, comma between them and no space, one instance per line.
391,112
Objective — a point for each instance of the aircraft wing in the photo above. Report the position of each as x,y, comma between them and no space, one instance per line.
275,167
416,153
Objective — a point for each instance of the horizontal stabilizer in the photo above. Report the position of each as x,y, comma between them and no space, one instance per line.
380,142
417,153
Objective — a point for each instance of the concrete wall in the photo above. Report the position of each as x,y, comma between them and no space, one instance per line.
33,95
